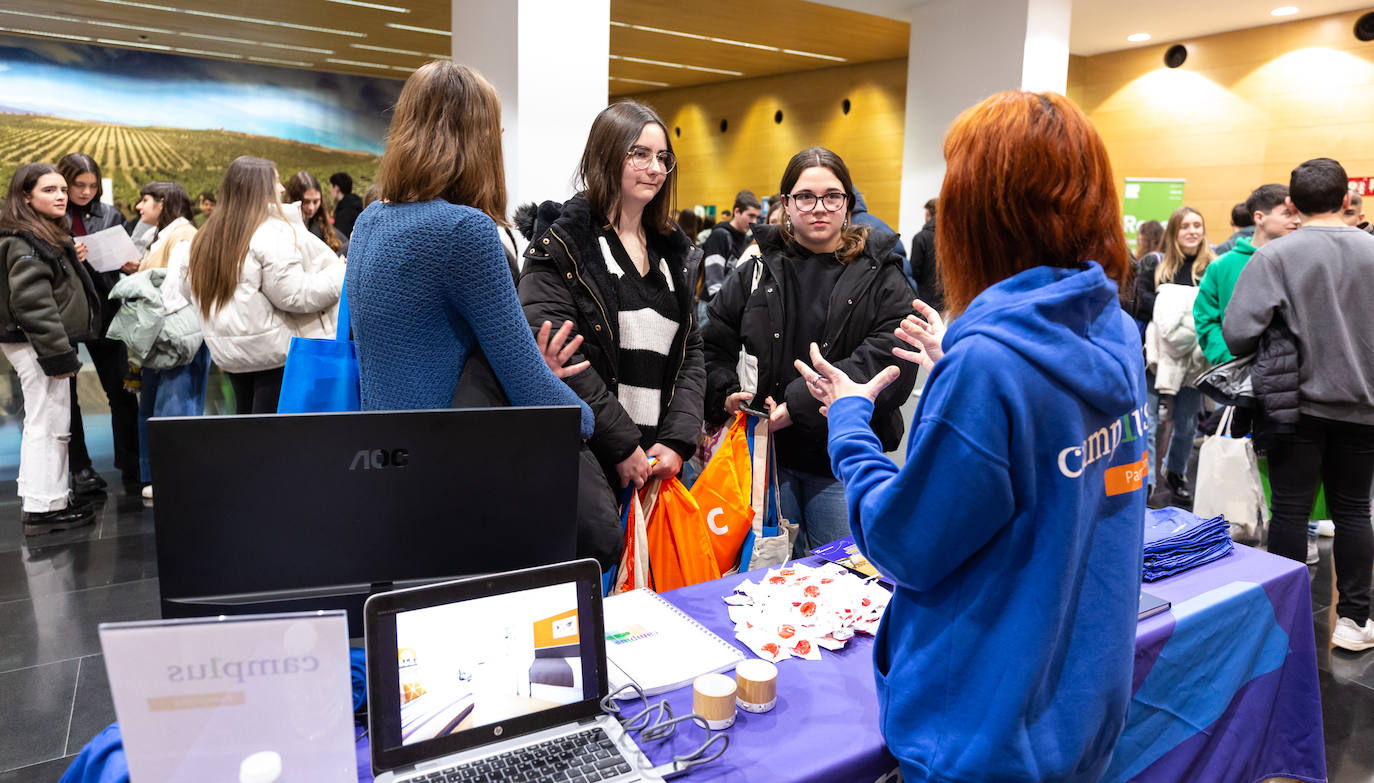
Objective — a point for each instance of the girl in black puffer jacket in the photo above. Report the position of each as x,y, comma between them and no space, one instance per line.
51,304
819,280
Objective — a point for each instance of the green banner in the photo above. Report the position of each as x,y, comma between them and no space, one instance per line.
1149,199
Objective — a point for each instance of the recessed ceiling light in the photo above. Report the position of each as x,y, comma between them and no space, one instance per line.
830,57
97,22
639,81
1287,10
232,18
135,44
377,6
247,42
726,41
207,53
358,63
42,34
275,61
410,52
413,29
1138,37
663,64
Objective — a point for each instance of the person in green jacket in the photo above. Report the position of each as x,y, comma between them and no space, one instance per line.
1274,217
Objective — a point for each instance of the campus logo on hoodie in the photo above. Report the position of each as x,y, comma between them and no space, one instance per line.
1102,444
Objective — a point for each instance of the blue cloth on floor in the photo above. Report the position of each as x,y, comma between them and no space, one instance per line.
101,761
1177,540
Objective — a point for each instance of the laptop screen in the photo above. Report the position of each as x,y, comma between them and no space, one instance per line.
467,663
485,661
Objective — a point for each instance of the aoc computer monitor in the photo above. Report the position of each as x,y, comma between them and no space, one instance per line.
275,513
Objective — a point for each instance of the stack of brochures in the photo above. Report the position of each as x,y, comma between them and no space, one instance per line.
1177,540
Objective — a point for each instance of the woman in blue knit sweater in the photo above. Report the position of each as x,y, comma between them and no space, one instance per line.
431,295
427,276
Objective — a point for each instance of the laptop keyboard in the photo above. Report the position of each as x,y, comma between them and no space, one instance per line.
586,756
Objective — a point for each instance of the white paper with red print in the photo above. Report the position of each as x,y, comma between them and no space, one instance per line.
795,611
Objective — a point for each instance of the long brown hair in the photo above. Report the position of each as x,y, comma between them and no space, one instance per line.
852,237
1148,238
1173,253
175,202
296,187
17,214
73,165
445,141
613,132
1027,183
247,198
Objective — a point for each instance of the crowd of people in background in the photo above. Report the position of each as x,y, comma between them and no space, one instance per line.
801,308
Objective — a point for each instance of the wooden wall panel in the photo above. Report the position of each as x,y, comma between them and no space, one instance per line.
1244,109
753,151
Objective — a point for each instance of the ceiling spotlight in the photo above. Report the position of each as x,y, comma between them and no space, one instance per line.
1176,55
1287,10
1138,37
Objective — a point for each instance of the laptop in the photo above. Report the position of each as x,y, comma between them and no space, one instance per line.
494,678
273,513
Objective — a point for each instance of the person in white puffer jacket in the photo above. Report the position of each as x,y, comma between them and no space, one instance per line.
259,278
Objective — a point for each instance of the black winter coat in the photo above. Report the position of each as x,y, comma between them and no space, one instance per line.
49,300
98,217
923,269
866,305
1276,375
565,279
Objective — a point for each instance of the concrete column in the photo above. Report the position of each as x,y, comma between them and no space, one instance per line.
961,52
549,61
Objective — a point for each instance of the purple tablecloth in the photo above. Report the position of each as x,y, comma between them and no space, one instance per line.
1225,690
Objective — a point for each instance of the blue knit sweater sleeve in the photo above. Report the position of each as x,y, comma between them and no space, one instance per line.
481,289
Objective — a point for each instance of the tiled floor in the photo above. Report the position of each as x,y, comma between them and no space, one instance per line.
55,589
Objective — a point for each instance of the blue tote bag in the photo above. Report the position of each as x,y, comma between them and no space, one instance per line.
321,376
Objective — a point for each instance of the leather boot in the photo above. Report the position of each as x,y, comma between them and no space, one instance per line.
37,523
86,481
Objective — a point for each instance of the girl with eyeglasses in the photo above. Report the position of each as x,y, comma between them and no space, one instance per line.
820,279
613,261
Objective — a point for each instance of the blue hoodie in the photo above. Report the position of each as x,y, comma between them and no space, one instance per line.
1014,535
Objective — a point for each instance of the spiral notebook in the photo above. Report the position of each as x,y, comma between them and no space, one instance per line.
657,646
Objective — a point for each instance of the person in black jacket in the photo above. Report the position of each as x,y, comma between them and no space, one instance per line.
924,274
50,304
347,205
612,261
818,279
86,215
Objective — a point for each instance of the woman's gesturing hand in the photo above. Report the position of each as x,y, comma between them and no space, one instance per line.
558,349
828,383
924,335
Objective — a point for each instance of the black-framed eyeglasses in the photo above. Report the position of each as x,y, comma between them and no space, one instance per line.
642,158
806,200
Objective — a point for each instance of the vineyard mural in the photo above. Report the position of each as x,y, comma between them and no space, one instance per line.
148,116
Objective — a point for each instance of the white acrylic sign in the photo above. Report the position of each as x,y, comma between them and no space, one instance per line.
195,698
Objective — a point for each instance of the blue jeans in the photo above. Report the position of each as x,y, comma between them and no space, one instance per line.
816,504
1186,405
179,391
1152,423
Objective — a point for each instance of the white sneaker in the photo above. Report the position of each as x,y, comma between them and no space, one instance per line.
1326,528
1349,636
1314,555
148,492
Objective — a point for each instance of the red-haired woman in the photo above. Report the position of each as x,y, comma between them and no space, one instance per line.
819,279
1013,532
